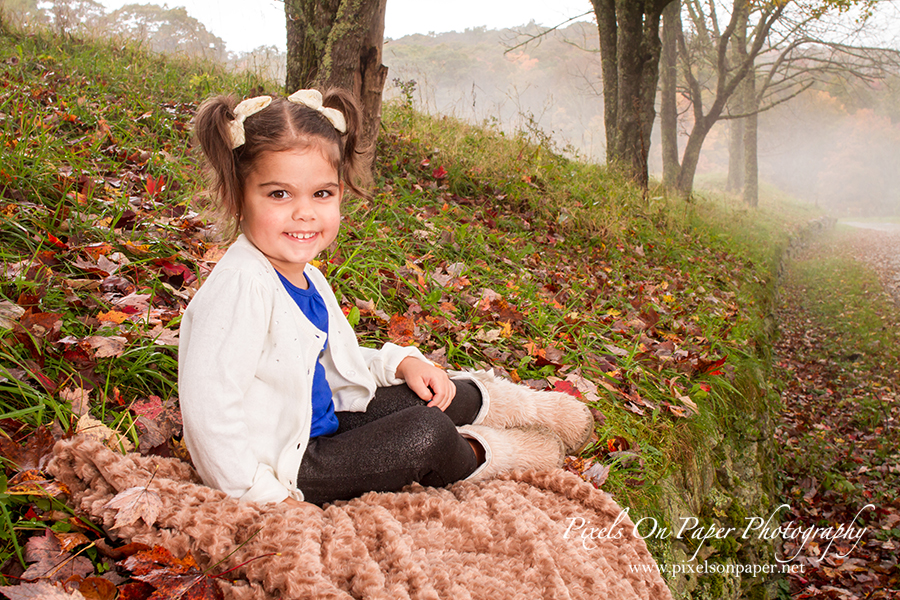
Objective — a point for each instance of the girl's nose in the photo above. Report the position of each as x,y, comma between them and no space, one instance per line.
303,211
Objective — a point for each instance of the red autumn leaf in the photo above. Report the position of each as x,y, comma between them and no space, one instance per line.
135,590
494,304
172,577
42,324
711,368
33,454
57,242
174,269
150,407
155,185
439,173
567,388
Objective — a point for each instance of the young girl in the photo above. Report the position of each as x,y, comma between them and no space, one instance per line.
279,401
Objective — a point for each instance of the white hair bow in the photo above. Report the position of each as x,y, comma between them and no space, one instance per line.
313,99
248,107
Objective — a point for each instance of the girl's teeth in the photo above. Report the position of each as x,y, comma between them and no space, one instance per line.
302,236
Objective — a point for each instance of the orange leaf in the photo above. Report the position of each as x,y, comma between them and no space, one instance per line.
97,588
402,330
113,316
34,483
172,577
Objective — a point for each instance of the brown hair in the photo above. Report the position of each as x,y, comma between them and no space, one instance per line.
280,126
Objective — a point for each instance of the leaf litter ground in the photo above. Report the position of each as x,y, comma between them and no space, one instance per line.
840,428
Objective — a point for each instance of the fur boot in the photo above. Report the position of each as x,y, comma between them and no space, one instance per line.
512,405
514,449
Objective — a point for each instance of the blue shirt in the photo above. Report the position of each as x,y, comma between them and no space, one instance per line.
324,421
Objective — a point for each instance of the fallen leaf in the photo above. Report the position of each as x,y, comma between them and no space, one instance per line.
42,324
135,503
98,588
597,474
113,316
10,312
173,578
567,388
402,330
34,454
97,430
150,407
51,562
162,336
70,541
106,347
79,398
41,590
34,483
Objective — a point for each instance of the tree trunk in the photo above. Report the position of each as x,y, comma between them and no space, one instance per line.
727,82
338,43
668,111
739,104
685,182
751,145
735,181
605,10
630,50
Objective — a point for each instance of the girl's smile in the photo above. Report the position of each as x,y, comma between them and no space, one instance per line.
291,209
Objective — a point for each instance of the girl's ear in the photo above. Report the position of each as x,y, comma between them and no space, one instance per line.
341,191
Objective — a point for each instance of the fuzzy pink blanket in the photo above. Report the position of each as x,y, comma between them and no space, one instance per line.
504,538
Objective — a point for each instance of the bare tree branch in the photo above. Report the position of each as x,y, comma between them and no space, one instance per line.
539,36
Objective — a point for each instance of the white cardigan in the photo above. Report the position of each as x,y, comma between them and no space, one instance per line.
245,371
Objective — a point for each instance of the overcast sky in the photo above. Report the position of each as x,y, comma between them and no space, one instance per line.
245,25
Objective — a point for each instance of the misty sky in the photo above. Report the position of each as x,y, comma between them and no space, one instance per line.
245,25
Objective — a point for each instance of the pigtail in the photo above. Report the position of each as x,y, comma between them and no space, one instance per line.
212,131
355,169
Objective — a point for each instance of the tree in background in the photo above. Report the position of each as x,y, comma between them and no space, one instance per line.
170,30
23,12
766,54
630,51
338,43
704,57
806,49
72,16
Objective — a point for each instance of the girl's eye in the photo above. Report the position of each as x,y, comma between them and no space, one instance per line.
323,194
279,194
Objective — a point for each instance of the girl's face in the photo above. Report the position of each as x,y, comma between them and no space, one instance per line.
291,210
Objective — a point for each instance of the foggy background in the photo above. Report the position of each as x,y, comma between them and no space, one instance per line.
836,145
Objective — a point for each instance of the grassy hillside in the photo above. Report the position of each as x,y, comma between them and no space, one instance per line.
482,249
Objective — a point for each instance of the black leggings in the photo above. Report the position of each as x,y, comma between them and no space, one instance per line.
397,441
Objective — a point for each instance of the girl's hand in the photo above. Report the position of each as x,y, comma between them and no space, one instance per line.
428,382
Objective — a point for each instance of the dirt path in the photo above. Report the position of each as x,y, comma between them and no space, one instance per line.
879,246
839,432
